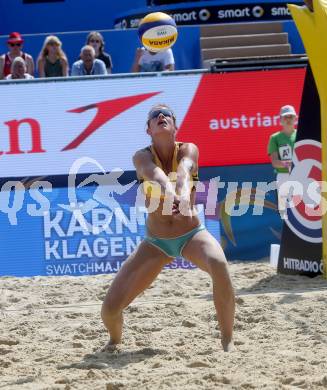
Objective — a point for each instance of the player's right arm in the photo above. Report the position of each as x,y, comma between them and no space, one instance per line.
146,168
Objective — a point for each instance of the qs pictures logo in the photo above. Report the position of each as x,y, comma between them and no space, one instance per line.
304,215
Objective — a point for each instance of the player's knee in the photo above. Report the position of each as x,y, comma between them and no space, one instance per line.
216,265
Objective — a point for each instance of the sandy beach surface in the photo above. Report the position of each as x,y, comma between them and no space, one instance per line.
51,334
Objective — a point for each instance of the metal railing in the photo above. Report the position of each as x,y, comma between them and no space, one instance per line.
105,77
216,66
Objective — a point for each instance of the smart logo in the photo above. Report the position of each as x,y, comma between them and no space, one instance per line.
258,11
204,15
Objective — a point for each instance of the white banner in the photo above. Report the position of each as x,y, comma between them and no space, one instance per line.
45,127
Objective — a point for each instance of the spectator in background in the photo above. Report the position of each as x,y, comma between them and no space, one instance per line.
95,39
15,46
88,64
52,61
19,70
280,149
148,61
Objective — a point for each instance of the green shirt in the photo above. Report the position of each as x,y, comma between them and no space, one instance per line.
282,144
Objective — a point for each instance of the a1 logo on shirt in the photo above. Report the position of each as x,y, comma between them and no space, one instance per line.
285,152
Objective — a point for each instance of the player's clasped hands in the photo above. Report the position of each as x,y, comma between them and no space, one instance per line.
182,206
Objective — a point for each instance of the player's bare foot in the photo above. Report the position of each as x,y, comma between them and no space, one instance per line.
228,345
110,347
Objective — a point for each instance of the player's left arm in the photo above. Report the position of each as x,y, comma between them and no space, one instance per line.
188,165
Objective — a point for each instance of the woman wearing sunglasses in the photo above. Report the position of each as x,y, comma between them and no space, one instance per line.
15,45
95,39
168,171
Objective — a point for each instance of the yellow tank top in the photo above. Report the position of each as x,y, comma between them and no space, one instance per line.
153,189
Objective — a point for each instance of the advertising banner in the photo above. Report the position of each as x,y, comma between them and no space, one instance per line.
228,116
214,14
92,228
301,244
232,115
93,127
60,122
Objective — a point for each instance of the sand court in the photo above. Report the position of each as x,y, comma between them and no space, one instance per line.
51,333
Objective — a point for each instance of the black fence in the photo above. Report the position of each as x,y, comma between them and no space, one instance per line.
258,63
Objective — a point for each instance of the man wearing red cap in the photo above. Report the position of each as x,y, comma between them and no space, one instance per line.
15,45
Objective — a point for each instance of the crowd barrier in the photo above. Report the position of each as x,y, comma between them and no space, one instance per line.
92,126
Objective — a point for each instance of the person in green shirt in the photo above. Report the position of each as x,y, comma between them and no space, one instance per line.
280,150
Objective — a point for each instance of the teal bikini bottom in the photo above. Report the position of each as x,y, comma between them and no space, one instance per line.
173,247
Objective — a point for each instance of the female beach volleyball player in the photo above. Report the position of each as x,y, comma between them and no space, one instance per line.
173,229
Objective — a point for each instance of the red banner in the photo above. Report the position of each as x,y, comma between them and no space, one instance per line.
232,115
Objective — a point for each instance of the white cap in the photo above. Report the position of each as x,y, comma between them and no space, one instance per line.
287,110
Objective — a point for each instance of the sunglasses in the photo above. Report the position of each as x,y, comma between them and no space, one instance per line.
163,111
15,44
94,41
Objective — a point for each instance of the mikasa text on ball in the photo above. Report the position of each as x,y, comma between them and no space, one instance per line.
157,31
